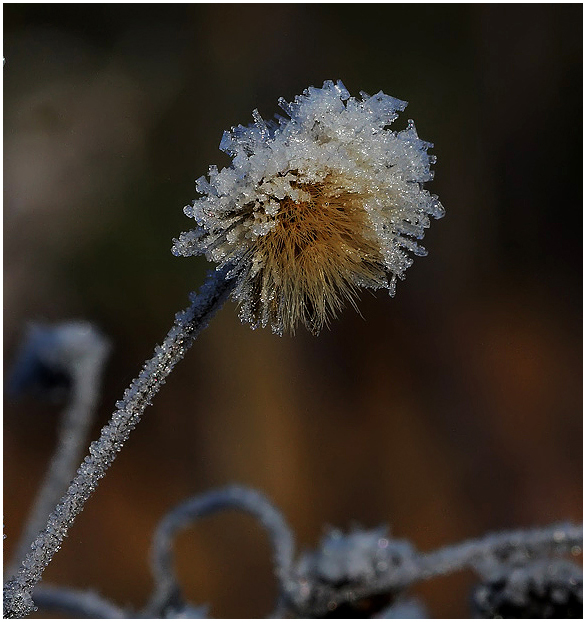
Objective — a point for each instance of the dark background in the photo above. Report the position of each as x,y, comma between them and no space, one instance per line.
452,410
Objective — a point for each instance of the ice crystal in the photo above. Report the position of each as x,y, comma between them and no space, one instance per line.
539,589
314,206
357,557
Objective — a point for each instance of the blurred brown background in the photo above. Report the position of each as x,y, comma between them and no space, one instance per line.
449,411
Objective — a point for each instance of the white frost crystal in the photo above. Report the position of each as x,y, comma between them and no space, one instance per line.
314,206
357,557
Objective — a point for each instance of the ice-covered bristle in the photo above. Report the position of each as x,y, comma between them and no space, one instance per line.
331,146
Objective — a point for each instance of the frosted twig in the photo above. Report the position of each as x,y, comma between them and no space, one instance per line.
558,539
80,603
188,324
166,585
79,351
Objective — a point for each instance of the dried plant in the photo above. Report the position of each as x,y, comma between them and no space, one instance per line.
312,208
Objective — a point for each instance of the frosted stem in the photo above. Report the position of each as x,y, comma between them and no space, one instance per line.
188,324
557,539
166,585
83,351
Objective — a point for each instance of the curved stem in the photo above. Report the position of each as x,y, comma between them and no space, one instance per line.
188,324
85,363
238,497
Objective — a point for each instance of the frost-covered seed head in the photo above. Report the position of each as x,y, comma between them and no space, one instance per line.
314,207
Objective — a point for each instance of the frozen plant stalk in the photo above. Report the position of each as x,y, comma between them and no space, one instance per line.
18,600
314,207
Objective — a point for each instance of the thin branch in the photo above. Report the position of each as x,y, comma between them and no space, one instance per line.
18,601
558,539
166,585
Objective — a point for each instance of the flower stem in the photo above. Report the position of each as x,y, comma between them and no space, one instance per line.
188,324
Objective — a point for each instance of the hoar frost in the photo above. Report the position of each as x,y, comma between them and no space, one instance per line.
314,207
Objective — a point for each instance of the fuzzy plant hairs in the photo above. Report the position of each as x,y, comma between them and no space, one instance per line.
314,206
